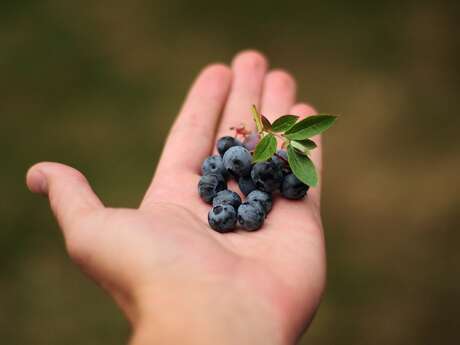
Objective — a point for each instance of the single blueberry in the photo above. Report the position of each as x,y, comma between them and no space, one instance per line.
237,160
259,206
210,185
246,184
281,160
222,218
224,143
267,176
251,216
293,188
227,197
264,198
213,165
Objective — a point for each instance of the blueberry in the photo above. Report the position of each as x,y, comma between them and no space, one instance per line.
227,197
210,185
213,165
267,176
293,188
265,199
224,143
237,160
222,218
282,162
250,216
250,142
246,184
258,205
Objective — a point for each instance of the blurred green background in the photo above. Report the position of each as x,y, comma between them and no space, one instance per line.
96,84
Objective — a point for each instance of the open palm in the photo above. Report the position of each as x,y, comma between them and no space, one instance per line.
164,252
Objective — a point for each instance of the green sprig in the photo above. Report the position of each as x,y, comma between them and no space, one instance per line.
295,136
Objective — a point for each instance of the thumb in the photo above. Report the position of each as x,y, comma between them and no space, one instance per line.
71,197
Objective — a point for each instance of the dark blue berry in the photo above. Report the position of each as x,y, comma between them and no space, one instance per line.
210,185
227,197
251,216
264,198
293,188
282,162
246,184
213,165
259,206
237,160
222,218
267,176
224,143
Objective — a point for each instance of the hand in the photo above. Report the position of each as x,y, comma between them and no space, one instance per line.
175,278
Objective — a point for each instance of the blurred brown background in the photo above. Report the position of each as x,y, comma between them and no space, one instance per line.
96,84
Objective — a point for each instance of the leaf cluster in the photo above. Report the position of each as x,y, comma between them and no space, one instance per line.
296,137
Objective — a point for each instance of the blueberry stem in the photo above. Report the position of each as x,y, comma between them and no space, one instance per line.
280,136
240,130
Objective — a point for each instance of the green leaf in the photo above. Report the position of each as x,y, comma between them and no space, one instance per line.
303,146
302,167
310,126
265,148
283,123
257,119
266,123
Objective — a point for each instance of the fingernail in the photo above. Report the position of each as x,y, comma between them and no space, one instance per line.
37,182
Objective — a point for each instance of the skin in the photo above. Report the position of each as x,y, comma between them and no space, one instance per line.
175,279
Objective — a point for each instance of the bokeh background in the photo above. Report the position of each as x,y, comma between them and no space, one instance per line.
96,84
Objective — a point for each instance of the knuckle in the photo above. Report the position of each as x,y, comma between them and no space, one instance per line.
79,177
78,248
191,123
80,238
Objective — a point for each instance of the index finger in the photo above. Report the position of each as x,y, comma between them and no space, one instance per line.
192,135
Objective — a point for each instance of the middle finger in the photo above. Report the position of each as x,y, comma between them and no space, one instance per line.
249,69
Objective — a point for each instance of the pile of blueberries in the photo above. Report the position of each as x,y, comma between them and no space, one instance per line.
256,181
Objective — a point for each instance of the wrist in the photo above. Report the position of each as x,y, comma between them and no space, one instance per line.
205,315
